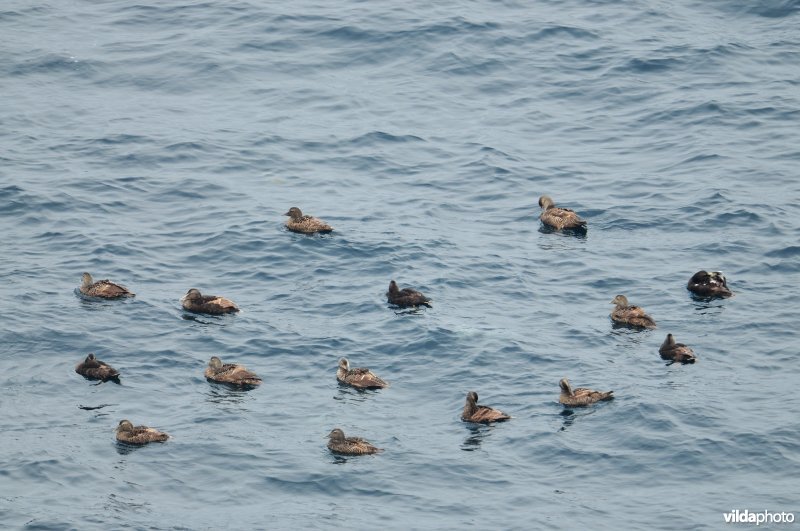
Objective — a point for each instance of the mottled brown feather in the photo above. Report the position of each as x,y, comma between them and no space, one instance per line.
559,218
629,315
339,444
195,302
359,377
129,434
581,396
104,289
473,412
94,369
670,350
298,222
230,373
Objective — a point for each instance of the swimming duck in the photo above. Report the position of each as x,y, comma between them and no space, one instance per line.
129,434
581,396
406,297
670,350
104,289
193,301
630,315
473,412
94,369
708,284
339,444
559,218
360,378
297,222
230,373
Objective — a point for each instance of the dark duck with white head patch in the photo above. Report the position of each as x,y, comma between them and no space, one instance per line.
298,222
705,284
406,297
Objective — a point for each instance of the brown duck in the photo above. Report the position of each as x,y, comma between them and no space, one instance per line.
559,218
339,444
359,377
230,373
406,297
104,289
298,222
129,434
707,284
473,412
193,301
94,369
670,350
630,315
581,396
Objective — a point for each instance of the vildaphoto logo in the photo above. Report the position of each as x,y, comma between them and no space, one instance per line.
737,516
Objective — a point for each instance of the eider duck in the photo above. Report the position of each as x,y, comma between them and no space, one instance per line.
581,396
473,412
104,289
708,284
406,297
129,434
670,350
193,301
298,222
339,444
94,369
230,373
630,315
559,218
360,378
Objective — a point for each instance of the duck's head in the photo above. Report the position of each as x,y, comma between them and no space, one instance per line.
215,362
719,277
669,341
546,202
294,213
344,364
192,295
90,357
393,287
86,280
565,387
124,425
472,398
336,435
620,300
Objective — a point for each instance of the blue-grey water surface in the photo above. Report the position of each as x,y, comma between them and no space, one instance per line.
159,144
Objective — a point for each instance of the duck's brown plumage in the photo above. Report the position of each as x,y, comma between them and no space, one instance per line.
406,297
298,222
359,377
94,369
195,302
129,434
473,412
230,373
581,396
705,284
629,315
104,289
670,350
559,218
339,444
